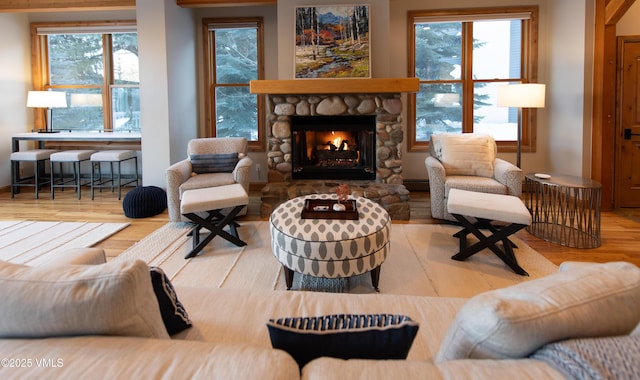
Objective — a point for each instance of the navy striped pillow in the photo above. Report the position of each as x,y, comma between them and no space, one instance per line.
174,315
213,163
344,336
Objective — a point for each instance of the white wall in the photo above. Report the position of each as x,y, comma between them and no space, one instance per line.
168,94
569,139
15,81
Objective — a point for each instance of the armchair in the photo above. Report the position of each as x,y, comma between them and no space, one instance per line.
214,166
467,161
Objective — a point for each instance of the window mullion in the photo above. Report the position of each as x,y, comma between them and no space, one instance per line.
107,43
467,77
214,84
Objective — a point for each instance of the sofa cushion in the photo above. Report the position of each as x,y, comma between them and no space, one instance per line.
513,322
115,298
345,336
174,315
213,163
109,358
465,154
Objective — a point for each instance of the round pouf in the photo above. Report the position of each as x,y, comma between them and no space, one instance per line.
144,201
330,248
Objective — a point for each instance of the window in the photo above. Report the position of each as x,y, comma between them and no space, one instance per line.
234,57
460,58
96,65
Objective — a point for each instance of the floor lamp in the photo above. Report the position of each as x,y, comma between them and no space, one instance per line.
47,100
523,95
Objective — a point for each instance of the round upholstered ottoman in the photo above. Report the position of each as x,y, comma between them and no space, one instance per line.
330,248
144,201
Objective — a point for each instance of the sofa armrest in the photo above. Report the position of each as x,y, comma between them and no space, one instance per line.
437,178
509,175
176,175
242,172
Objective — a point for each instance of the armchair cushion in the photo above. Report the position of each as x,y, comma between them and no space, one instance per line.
466,154
213,163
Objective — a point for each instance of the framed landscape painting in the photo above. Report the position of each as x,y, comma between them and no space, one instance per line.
332,42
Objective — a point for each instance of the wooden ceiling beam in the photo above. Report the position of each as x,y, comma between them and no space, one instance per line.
615,9
221,3
70,5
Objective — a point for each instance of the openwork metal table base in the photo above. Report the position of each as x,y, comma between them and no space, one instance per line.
564,209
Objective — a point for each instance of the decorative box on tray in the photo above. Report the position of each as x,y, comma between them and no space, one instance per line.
323,209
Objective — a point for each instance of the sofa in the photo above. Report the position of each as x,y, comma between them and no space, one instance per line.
501,334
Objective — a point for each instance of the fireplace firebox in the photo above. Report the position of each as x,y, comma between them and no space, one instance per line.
333,147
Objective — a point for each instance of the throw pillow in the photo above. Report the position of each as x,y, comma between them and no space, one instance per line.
174,315
115,298
592,301
614,357
213,163
344,336
467,154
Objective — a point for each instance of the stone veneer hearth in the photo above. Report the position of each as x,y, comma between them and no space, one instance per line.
387,189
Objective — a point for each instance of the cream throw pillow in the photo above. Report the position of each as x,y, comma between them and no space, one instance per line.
513,322
466,154
115,298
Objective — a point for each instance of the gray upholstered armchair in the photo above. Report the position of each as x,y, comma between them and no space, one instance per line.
211,162
467,161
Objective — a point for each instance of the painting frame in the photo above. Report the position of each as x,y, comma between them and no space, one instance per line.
332,41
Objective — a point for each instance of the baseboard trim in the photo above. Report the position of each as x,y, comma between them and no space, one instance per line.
416,184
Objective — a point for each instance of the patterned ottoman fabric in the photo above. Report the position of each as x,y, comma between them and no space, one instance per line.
330,248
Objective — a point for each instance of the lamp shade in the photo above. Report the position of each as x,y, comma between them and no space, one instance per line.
524,95
46,99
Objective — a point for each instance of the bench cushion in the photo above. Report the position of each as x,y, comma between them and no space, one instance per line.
213,198
498,207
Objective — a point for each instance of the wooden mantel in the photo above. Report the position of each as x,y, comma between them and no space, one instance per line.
334,86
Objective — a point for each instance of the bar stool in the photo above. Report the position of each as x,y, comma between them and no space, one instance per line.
112,157
37,157
75,158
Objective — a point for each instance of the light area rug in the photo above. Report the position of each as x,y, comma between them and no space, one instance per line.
419,263
33,242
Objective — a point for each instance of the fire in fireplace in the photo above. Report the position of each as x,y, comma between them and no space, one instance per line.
333,147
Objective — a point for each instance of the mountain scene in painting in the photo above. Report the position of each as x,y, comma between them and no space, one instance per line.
332,42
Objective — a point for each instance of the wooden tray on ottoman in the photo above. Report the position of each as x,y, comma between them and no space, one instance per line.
311,211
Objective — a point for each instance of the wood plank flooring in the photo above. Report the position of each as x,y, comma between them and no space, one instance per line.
620,229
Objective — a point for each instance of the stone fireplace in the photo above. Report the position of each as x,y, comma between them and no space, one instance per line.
385,109
327,104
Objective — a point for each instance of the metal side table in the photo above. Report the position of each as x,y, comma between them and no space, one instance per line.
564,209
